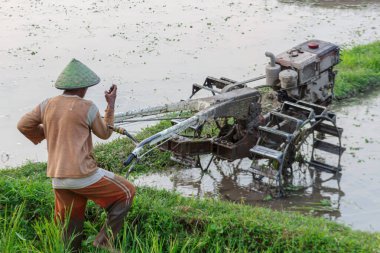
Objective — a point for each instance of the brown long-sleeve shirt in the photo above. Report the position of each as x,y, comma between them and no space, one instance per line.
67,122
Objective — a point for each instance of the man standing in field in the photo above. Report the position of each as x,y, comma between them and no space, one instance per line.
66,121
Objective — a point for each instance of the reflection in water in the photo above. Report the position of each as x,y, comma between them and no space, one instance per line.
313,192
332,3
322,198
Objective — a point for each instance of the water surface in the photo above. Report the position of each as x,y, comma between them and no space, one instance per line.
154,50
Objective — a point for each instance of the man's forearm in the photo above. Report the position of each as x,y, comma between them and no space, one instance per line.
30,126
109,115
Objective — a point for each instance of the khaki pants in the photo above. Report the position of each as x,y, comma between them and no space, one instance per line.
114,194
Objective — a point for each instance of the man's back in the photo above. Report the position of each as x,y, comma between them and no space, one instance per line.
67,123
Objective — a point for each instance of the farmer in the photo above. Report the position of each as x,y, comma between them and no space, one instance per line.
66,122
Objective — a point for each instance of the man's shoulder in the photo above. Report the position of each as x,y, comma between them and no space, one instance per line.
87,106
87,102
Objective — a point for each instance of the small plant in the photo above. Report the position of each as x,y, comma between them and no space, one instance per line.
325,202
11,236
268,198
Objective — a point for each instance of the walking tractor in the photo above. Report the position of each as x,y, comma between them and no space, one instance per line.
300,133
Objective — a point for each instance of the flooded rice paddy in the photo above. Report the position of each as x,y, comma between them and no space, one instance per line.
155,50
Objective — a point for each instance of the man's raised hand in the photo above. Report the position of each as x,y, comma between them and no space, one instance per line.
110,96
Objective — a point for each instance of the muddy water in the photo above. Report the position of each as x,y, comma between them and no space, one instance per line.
350,197
332,3
154,50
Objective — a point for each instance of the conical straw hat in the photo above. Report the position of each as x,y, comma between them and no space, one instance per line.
76,75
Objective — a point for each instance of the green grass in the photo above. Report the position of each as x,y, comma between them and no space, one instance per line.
110,155
162,221
359,70
10,230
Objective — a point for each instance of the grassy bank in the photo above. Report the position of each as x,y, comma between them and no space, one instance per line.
161,221
359,70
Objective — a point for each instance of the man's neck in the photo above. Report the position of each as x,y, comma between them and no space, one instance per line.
77,92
